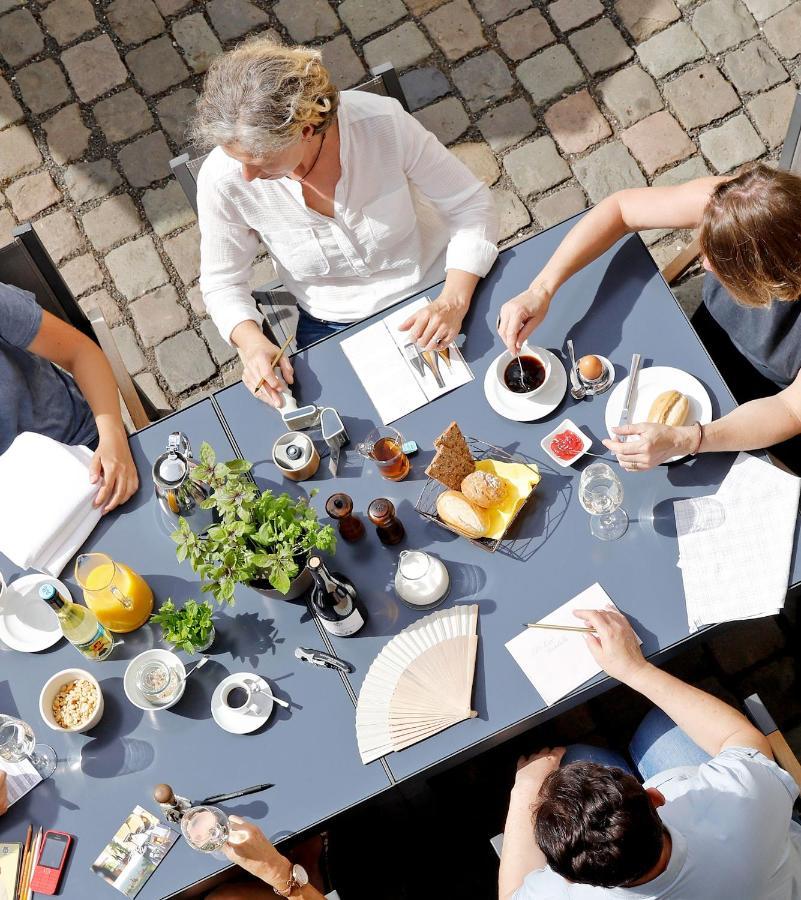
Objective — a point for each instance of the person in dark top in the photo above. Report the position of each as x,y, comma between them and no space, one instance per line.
57,382
750,235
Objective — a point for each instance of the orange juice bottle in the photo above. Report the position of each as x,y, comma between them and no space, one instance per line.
120,598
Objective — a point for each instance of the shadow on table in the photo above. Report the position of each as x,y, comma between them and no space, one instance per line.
196,701
108,756
246,636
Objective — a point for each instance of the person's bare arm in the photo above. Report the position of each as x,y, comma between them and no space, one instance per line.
68,348
249,848
634,209
711,723
756,424
521,854
438,323
257,353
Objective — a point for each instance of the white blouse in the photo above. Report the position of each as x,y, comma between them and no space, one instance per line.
405,209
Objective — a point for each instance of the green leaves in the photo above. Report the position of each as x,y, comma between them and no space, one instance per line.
258,536
188,628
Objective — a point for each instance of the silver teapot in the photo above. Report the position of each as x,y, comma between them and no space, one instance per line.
179,495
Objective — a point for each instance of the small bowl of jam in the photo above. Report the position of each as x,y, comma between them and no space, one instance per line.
566,444
524,375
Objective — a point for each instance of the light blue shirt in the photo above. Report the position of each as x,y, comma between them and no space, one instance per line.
732,832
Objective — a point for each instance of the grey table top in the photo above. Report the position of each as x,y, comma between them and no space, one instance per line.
616,306
308,751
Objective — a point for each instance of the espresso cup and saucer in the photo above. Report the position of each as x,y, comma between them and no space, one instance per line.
242,702
525,387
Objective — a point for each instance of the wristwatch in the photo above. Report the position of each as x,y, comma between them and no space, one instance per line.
298,878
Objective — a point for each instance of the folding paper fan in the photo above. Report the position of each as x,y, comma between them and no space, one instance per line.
420,683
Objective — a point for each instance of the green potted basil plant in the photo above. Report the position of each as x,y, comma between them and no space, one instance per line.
260,538
189,628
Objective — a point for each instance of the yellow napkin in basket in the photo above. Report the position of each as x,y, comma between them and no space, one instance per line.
522,481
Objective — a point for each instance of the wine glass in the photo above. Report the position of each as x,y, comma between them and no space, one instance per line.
17,742
206,829
601,495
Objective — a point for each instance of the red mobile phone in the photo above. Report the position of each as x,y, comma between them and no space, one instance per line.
50,864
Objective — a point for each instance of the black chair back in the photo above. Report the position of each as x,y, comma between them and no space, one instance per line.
384,81
26,264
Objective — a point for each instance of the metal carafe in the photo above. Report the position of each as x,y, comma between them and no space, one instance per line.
179,495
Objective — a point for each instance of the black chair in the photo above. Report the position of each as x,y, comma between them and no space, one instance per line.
762,719
790,161
279,306
26,264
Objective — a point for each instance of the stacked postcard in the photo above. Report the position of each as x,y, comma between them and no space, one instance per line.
735,546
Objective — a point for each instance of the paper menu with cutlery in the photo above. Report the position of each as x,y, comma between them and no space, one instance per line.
396,377
557,662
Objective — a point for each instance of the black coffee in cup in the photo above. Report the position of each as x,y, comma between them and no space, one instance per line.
524,374
236,698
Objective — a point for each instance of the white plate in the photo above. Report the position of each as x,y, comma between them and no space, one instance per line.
527,409
569,425
132,691
238,721
27,623
652,382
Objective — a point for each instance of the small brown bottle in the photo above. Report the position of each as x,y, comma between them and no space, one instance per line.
340,507
388,526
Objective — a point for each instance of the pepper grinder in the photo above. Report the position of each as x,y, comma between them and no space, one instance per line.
388,526
340,507
172,806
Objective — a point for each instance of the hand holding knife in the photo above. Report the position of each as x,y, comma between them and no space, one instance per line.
625,415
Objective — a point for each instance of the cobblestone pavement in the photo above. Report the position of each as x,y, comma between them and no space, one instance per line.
552,104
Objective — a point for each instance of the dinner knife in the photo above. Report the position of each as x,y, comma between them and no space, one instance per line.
625,415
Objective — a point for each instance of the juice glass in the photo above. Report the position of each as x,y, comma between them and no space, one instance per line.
384,446
119,597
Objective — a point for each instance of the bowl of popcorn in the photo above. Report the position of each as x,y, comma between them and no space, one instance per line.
71,701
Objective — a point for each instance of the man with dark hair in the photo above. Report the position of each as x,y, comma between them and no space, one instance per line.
712,820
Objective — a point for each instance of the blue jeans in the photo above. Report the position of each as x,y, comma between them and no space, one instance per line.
658,745
311,330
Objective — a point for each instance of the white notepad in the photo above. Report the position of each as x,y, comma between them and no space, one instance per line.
557,662
392,383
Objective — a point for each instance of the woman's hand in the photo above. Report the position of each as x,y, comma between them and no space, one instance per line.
651,444
521,315
437,324
248,847
114,464
533,770
257,355
614,645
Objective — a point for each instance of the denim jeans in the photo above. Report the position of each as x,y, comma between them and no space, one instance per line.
658,745
311,330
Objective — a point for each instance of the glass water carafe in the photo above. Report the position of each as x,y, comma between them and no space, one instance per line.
119,597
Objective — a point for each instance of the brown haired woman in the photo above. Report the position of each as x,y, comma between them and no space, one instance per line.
750,233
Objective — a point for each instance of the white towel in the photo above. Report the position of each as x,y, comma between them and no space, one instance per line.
735,546
47,510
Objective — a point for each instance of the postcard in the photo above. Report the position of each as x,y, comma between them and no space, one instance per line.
132,855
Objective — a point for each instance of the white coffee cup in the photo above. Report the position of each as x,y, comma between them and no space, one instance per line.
503,361
248,703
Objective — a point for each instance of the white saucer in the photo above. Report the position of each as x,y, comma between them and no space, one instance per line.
132,691
651,382
527,409
242,722
27,623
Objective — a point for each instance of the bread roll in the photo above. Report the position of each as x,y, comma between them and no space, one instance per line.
669,408
458,512
484,489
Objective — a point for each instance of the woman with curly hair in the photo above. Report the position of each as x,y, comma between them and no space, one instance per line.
358,205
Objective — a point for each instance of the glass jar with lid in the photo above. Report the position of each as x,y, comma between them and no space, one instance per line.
421,580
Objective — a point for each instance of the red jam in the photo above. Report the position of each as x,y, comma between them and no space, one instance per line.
566,445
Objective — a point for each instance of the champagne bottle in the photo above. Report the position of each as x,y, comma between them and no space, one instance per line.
79,625
335,601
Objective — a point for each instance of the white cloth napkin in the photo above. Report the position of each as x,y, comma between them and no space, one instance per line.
735,546
47,510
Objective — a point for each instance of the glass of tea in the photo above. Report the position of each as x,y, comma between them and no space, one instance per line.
526,374
384,445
